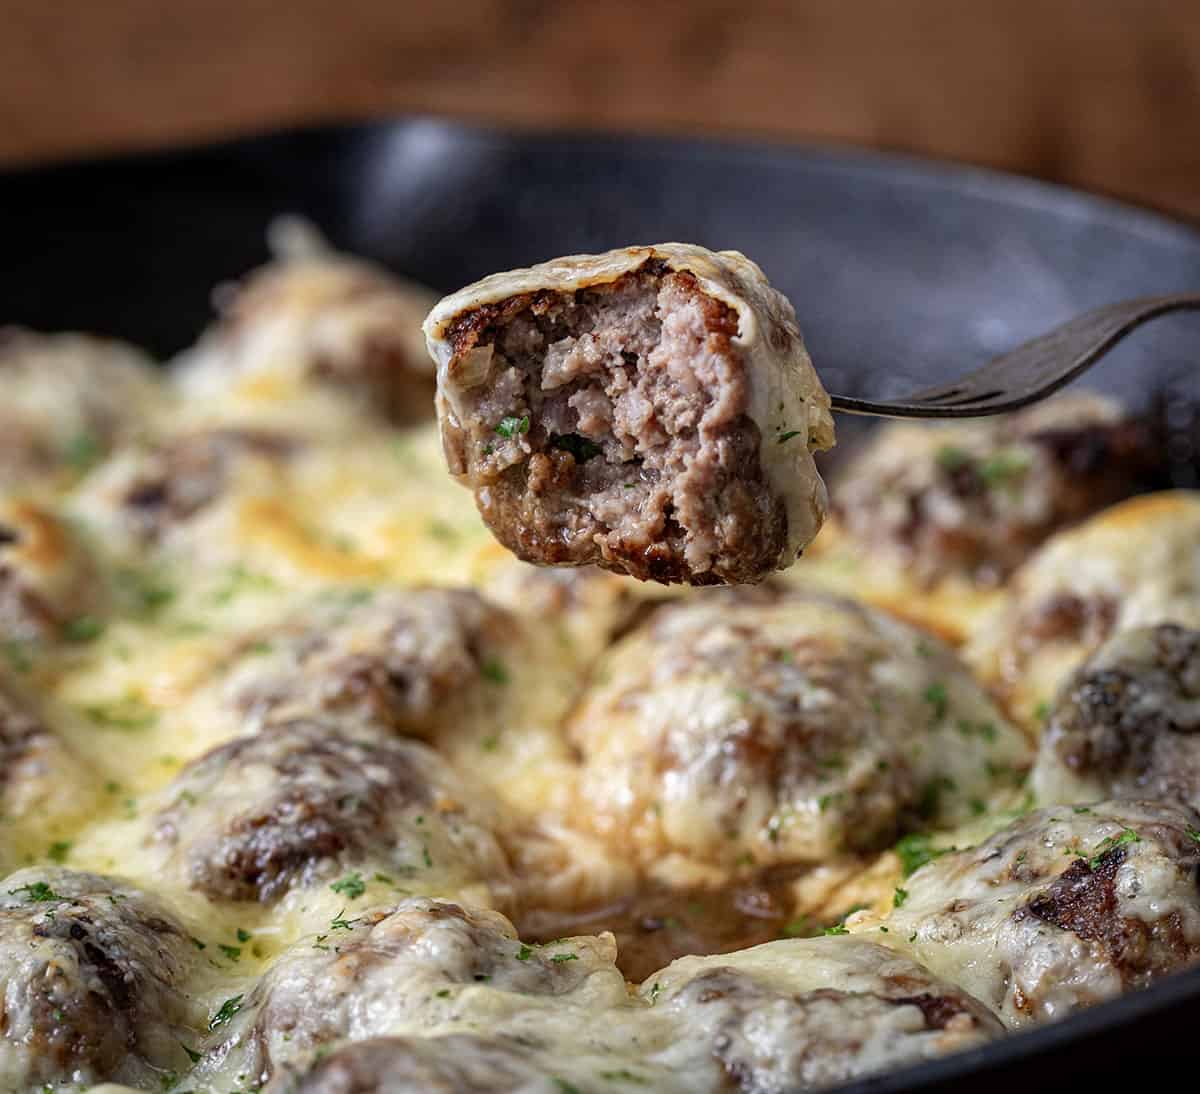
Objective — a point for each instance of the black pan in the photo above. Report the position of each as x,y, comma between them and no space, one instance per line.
899,271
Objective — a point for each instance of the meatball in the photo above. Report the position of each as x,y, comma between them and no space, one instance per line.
408,661
423,964
42,782
91,975
301,803
805,1013
156,494
651,410
1064,908
69,399
973,500
459,1063
323,323
1135,564
47,580
772,731
1127,723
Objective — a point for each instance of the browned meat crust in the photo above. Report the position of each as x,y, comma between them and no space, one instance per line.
90,974
1127,724
328,801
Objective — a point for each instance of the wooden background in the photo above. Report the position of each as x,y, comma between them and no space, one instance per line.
1099,93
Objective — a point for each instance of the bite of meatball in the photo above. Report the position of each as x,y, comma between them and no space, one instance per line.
1062,909
301,803
92,976
651,410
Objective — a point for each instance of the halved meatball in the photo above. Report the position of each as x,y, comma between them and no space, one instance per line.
806,1013
1127,723
92,976
408,661
973,500
47,579
1135,564
782,730
411,969
1064,908
651,410
300,804
318,321
69,399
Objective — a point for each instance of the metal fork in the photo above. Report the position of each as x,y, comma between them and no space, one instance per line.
1029,372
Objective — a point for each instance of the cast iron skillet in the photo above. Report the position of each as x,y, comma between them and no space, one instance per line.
900,271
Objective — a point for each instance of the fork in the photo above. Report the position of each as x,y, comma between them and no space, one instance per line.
1031,371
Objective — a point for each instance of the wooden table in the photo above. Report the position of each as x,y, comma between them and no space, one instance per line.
1100,93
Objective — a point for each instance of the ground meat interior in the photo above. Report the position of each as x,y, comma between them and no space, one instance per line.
610,426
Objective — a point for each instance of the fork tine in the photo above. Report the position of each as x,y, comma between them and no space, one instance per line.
1044,364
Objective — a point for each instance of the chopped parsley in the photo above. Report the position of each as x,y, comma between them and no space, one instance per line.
82,451
935,695
130,713
58,851
916,849
146,589
1005,467
440,530
826,800
899,897
238,580
623,1075
837,928
559,958
17,654
1042,711
351,886
512,427
427,857
797,928
197,943
444,993
524,953
494,671
340,923
226,1012
1193,834
952,458
234,953
83,628
38,891
1111,843
243,936
192,1054
579,447
783,438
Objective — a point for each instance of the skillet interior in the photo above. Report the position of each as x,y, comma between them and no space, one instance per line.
900,271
